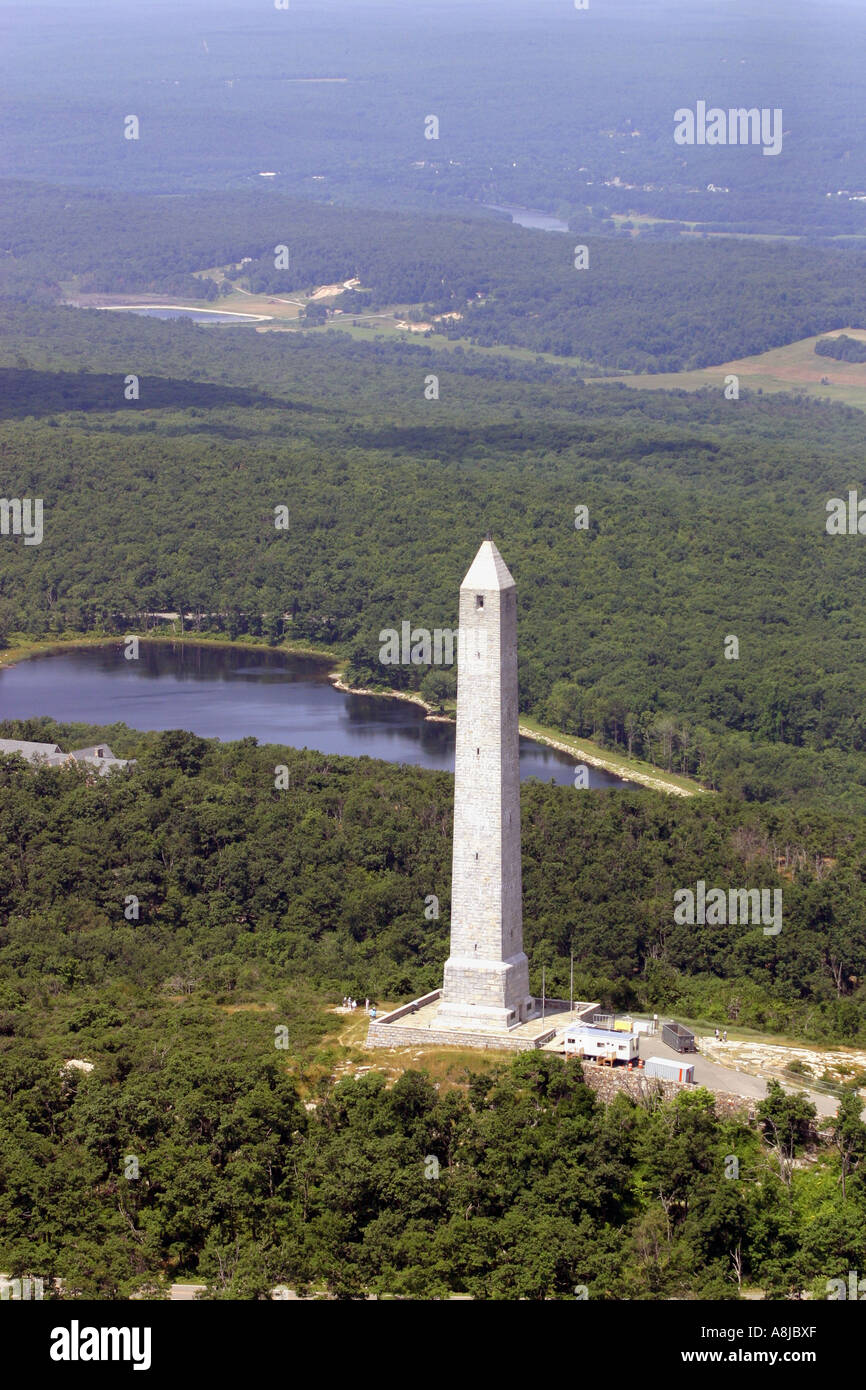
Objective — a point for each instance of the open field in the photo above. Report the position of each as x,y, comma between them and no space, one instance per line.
643,219
794,368
388,326
448,1066
280,313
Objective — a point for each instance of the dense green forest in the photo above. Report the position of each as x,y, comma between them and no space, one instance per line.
176,1094
843,348
186,1152
539,1191
640,306
325,886
706,520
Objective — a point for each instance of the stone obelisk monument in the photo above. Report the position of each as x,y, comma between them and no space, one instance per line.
486,985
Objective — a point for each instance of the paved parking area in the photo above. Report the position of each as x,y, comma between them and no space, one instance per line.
717,1077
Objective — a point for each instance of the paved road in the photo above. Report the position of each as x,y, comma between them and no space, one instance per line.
718,1078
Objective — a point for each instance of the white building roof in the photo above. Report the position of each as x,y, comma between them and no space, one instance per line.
607,1035
99,755
28,749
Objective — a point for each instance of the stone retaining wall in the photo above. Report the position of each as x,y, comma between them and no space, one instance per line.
388,1032
409,1008
397,1035
606,1082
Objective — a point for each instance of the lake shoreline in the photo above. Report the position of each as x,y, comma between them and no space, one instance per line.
578,750
660,783
18,652
336,679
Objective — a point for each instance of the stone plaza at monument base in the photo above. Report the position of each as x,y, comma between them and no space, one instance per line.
421,1023
484,1000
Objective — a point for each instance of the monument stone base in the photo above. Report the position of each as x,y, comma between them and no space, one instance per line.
485,995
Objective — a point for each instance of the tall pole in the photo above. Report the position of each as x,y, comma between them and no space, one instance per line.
571,986
543,995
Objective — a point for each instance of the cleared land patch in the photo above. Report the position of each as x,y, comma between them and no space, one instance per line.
795,367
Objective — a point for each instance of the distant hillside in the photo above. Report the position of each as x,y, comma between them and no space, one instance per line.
538,104
638,306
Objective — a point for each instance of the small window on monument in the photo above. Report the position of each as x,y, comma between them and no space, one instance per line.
479,600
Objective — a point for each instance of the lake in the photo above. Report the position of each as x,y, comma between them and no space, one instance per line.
232,693
170,311
530,217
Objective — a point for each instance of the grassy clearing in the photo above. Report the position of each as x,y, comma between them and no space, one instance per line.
693,229
793,368
449,1066
386,327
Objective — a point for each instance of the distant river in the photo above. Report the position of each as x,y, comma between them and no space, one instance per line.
529,217
232,693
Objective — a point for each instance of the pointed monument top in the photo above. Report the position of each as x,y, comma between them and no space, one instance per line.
488,570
